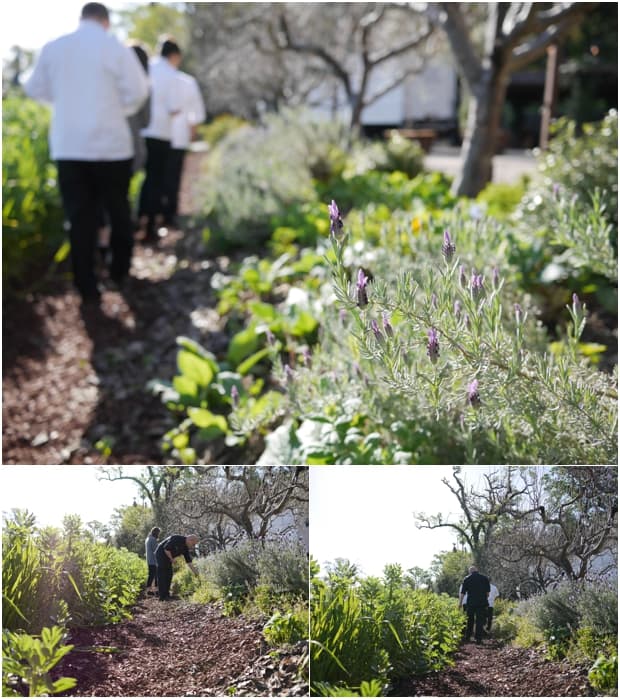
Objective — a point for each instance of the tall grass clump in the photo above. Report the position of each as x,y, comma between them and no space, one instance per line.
48,578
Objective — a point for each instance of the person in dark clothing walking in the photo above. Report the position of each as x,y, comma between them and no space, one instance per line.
171,547
477,588
150,546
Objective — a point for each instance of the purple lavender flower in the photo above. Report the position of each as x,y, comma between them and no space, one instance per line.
271,338
457,309
462,277
477,288
342,315
448,248
234,396
289,373
387,326
556,190
432,348
361,293
335,221
374,326
473,397
467,321
577,305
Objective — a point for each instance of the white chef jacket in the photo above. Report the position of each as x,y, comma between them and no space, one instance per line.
93,82
165,99
192,111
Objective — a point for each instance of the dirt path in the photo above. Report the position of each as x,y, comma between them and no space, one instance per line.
180,649
493,670
75,377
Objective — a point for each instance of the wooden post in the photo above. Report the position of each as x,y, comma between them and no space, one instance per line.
550,95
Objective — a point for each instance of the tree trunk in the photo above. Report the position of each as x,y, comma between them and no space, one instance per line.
482,132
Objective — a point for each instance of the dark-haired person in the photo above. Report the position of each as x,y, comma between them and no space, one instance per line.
477,588
165,103
150,546
171,547
93,83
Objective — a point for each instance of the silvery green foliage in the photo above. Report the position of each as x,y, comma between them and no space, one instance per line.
572,202
379,390
257,172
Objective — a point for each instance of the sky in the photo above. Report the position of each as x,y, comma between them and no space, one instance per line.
365,513
32,23
50,492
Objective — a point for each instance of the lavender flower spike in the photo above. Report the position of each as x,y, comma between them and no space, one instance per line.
234,396
473,397
448,248
335,220
432,348
477,288
361,293
577,306
387,326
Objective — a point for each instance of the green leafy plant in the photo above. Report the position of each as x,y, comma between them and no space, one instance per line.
32,216
29,659
603,675
287,628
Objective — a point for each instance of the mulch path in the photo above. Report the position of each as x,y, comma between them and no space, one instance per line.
74,377
494,670
180,649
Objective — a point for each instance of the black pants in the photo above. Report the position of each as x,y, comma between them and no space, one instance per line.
489,618
84,186
477,615
153,192
176,158
164,576
152,574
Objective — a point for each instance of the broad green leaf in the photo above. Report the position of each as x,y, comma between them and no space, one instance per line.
185,386
242,345
196,368
203,418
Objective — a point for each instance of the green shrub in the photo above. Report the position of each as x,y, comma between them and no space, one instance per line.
505,625
32,216
575,620
220,127
259,172
500,199
288,627
395,154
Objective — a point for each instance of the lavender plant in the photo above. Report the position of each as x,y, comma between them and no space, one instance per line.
435,356
461,351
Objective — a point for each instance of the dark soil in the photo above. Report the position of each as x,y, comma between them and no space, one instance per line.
180,649
76,376
494,670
